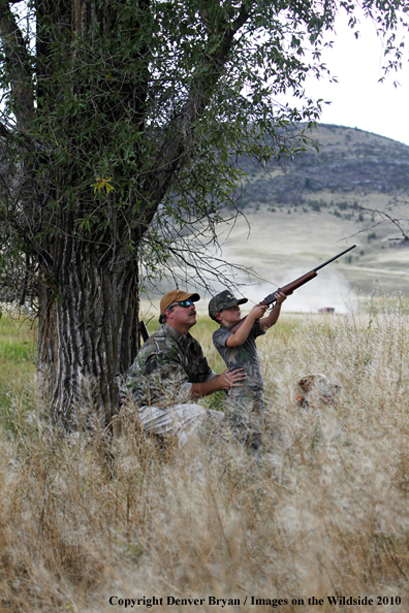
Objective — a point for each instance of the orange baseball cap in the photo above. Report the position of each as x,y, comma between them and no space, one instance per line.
176,295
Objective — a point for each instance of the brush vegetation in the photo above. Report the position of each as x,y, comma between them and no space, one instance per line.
325,514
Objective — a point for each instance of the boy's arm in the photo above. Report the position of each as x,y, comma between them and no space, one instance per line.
274,314
237,338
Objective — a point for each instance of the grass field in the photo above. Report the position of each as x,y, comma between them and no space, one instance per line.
278,248
17,364
86,525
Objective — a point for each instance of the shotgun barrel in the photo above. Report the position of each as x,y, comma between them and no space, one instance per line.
288,289
143,331
291,287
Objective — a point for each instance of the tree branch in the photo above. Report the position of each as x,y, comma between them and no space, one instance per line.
385,216
4,132
172,154
18,60
42,255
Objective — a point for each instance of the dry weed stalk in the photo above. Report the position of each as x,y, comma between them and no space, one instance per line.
325,514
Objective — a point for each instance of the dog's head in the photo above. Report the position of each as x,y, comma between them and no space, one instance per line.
316,390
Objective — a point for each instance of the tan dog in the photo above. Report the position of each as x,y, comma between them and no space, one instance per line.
315,391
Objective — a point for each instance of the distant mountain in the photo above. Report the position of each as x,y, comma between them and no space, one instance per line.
350,163
296,218
321,203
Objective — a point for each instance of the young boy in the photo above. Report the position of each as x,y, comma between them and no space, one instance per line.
245,405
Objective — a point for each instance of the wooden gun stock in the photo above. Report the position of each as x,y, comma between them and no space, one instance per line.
291,287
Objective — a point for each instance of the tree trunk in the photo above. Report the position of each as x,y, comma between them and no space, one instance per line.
88,338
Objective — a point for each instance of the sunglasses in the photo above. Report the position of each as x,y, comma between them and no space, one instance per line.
185,304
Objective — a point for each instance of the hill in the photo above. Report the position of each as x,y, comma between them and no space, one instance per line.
293,219
350,164
297,217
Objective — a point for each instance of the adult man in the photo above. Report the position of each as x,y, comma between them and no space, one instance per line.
170,371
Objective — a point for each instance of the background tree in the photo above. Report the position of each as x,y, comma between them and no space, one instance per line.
122,124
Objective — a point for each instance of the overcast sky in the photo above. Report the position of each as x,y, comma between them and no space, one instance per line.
358,100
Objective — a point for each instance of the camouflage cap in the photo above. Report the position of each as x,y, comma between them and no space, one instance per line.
176,295
224,300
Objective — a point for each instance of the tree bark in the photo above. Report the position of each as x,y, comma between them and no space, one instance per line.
88,126
88,336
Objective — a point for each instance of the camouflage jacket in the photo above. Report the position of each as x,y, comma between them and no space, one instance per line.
165,367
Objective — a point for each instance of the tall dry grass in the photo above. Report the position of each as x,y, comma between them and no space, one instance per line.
325,514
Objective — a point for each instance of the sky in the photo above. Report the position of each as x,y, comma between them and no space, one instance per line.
358,100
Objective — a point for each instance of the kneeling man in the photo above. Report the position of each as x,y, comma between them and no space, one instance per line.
170,373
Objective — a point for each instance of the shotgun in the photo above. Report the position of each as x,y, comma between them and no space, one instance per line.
288,289
143,331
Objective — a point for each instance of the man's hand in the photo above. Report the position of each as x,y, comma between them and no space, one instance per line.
230,378
225,381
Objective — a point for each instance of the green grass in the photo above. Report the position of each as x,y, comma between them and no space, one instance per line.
204,323
17,364
18,332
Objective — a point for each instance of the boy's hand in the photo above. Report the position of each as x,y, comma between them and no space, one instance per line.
258,311
281,297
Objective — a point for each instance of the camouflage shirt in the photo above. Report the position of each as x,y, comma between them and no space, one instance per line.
165,367
245,356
